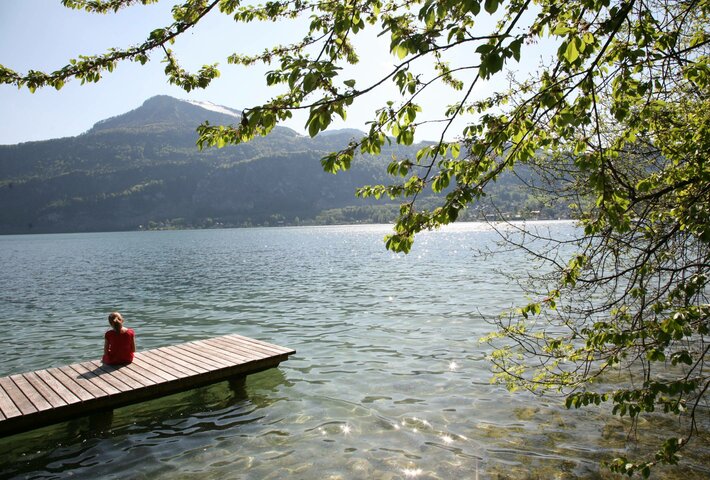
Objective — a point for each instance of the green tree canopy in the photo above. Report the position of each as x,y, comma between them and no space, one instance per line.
620,112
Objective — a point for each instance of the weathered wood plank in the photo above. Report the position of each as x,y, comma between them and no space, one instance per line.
50,395
117,372
219,354
190,352
94,390
170,354
157,363
167,356
234,355
229,347
239,349
39,402
58,387
35,399
136,375
200,350
169,362
92,377
270,347
70,384
178,355
253,349
7,406
89,368
147,372
18,398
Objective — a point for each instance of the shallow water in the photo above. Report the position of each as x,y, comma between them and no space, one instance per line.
389,379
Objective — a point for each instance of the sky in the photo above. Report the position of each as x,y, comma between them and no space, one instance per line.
43,35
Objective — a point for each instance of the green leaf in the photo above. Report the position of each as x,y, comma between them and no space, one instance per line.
309,82
313,125
571,53
491,6
656,356
473,6
401,51
515,48
485,48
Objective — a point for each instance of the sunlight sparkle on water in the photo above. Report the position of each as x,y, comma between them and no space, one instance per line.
447,439
453,366
412,472
346,429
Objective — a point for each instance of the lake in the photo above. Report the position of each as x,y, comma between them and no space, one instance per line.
389,381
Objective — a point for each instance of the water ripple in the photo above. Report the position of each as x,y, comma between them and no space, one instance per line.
389,381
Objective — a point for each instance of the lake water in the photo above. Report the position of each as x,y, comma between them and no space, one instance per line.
389,380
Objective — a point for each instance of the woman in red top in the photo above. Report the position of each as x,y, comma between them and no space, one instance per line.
120,342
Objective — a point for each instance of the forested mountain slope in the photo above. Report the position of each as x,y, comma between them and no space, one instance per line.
143,170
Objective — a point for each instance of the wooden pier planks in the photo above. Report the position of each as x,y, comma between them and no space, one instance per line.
35,399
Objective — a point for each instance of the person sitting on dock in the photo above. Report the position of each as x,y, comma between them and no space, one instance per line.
119,343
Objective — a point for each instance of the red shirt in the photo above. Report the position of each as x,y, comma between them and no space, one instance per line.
120,347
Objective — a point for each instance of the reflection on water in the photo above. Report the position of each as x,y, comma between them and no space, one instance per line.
389,380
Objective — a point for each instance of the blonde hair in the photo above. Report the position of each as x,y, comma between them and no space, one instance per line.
116,320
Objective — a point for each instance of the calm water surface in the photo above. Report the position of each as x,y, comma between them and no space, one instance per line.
390,380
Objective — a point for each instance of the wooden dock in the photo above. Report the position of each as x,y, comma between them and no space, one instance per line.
36,399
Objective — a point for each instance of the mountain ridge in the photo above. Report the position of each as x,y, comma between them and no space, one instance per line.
142,169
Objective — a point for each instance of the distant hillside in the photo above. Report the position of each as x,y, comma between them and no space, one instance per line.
143,170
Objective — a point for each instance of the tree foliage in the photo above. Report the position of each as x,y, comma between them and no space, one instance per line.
620,111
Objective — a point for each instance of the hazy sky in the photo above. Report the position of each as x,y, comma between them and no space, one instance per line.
41,34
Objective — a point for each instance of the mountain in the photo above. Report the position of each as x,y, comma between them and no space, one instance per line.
142,170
